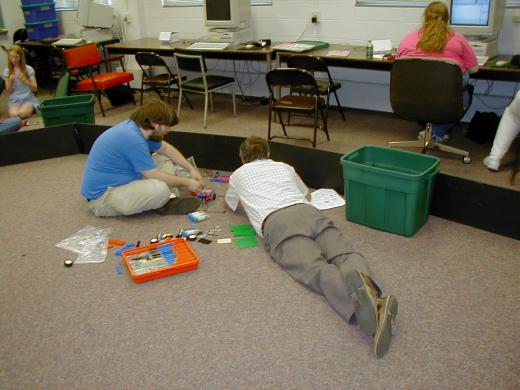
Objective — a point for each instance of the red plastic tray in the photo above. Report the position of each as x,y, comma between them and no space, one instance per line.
186,260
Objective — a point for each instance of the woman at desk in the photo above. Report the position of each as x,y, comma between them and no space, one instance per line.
436,39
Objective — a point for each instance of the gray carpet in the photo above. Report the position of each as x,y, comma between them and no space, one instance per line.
239,321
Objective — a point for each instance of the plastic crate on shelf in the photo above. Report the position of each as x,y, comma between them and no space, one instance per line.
388,189
42,30
39,12
33,2
69,109
161,259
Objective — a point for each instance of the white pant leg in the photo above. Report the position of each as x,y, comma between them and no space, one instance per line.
508,129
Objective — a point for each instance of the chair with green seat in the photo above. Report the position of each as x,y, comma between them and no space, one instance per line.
191,61
318,67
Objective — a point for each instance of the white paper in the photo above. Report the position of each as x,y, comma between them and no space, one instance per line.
168,36
382,46
326,198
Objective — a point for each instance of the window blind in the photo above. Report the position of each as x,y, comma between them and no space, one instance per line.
191,3
62,5
416,3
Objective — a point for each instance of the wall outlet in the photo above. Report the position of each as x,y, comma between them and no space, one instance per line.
315,16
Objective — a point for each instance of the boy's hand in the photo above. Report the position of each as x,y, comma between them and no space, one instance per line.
194,185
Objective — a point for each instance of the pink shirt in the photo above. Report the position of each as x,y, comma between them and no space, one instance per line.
457,50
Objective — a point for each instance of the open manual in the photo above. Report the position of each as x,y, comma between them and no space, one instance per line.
326,198
301,46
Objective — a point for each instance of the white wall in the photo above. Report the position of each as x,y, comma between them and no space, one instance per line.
286,20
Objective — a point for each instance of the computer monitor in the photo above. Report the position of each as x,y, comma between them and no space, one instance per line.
92,14
476,18
230,14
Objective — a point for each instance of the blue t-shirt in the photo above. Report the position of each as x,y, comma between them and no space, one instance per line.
118,157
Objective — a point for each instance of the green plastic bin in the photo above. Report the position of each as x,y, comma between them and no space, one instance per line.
388,189
68,109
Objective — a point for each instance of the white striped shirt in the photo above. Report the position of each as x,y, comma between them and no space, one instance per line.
264,186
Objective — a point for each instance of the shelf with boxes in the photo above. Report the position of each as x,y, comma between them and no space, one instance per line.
40,19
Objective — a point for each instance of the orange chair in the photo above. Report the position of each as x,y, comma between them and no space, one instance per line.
84,61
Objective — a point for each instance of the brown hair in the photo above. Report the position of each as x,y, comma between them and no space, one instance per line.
155,111
254,148
435,30
18,50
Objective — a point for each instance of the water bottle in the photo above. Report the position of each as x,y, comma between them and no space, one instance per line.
370,50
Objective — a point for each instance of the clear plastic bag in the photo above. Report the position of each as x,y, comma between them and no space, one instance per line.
90,243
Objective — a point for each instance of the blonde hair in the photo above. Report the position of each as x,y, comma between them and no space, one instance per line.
254,148
155,111
18,50
435,30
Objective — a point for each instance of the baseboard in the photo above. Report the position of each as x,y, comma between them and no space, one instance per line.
486,207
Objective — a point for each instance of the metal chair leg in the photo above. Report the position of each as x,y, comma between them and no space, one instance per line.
339,105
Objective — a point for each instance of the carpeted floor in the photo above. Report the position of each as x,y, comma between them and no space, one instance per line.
239,321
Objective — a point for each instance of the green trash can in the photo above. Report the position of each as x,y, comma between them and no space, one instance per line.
388,189
68,109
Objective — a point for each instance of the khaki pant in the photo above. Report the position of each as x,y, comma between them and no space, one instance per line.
137,196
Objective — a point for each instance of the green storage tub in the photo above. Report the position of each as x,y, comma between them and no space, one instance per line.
388,189
68,109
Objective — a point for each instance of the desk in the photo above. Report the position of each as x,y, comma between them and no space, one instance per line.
168,49
357,59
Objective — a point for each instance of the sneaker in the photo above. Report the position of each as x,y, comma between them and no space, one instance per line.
179,206
386,313
492,163
365,296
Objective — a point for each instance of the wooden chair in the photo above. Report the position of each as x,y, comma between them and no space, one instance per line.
326,86
83,62
157,75
311,104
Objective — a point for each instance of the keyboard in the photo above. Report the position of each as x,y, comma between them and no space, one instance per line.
208,46
481,60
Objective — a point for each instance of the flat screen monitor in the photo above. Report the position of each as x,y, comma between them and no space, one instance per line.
91,14
227,13
476,18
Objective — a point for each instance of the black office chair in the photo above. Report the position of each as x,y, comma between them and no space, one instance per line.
157,75
192,61
309,104
317,66
430,91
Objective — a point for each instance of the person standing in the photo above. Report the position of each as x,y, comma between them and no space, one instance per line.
435,39
307,244
508,129
123,178
20,84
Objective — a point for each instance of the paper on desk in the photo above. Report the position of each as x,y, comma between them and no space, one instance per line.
382,46
338,53
326,198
